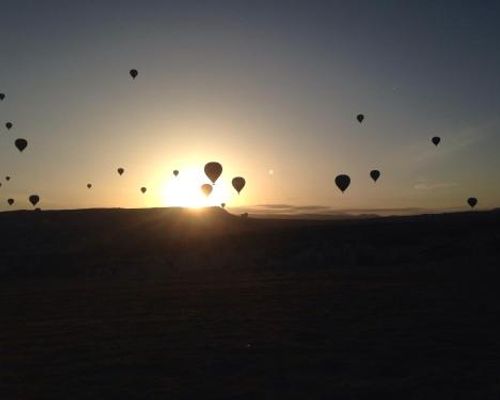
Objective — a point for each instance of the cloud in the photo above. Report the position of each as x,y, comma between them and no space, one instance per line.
322,212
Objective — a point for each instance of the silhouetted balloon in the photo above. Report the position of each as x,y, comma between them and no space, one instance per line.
375,174
7,178
2,96
472,201
436,140
133,73
360,117
9,125
223,205
213,170
238,183
21,144
244,215
143,189
176,172
120,171
89,185
342,182
34,199
10,201
206,189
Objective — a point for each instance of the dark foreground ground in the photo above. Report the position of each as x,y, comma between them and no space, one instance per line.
165,304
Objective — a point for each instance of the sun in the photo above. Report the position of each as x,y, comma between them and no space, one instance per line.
184,190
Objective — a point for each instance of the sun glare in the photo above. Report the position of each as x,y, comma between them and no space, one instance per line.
184,190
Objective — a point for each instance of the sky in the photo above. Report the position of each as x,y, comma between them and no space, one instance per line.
270,89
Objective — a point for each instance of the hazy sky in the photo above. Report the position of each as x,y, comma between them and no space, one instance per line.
270,89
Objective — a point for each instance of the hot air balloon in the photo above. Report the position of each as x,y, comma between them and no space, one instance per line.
9,125
238,183
472,201
7,178
360,117
143,189
176,172
223,205
206,189
213,170
342,182
436,140
89,185
120,171
2,96
34,199
21,144
375,174
133,73
10,201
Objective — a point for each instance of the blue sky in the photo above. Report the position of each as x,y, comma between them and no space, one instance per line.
259,86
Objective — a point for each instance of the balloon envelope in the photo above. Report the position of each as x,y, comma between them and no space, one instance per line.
10,201
7,178
375,174
360,117
9,125
2,96
176,172
34,199
89,185
472,201
120,171
223,205
21,144
143,189
436,140
133,73
206,189
213,170
238,183
342,181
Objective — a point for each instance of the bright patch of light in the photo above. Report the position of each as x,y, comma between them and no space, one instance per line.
184,190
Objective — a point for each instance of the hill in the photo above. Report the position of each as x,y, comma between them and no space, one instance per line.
171,303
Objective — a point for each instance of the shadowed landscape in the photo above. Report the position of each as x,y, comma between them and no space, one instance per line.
176,303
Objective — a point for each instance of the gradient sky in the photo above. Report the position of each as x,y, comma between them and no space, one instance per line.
258,86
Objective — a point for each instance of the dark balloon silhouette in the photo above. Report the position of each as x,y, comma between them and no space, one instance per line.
360,117
143,189
223,205
436,140
238,183
133,73
244,215
2,96
10,201
34,199
213,170
89,185
21,144
342,182
206,189
176,172
120,171
9,125
472,201
7,178
375,174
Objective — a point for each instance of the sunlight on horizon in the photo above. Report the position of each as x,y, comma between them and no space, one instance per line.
185,190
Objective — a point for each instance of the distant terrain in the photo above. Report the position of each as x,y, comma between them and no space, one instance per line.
173,303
